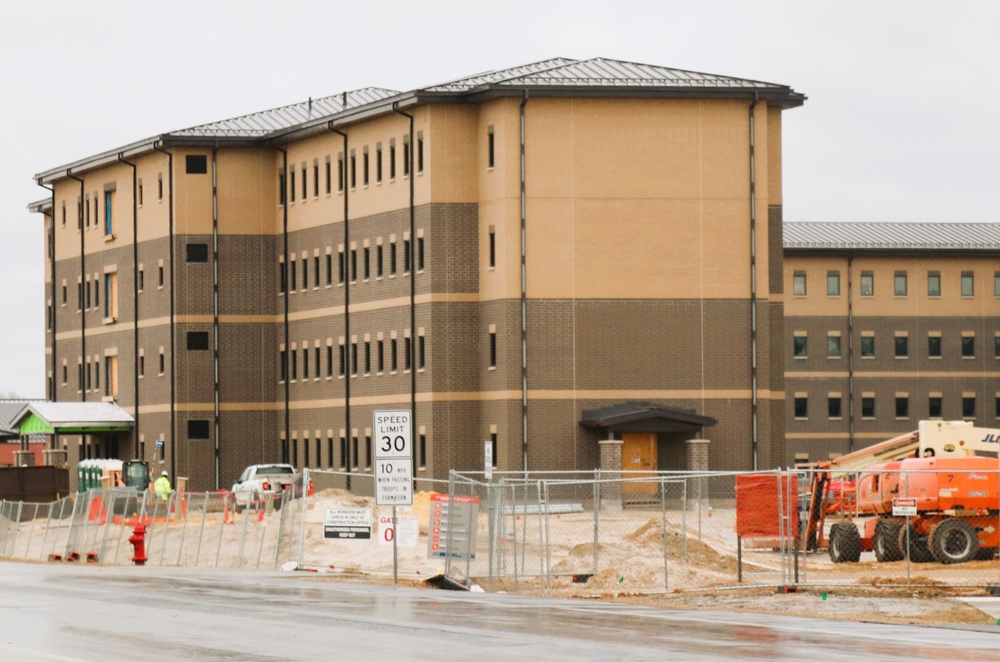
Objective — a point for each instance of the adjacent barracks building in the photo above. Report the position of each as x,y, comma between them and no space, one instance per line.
545,257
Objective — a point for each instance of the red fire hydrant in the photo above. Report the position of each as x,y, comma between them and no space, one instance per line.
138,540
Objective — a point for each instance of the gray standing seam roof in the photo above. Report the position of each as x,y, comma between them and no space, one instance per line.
891,236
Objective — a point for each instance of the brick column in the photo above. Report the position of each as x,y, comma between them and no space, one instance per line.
611,467
697,461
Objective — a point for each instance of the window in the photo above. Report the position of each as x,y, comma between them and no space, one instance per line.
368,263
343,452
380,356
328,175
281,188
64,375
340,173
138,193
282,278
968,283
293,277
421,356
293,357
111,376
934,406
493,248
197,340
305,187
354,359
159,186
392,258
111,296
329,269
364,165
934,347
934,284
329,452
142,365
341,267
490,147
305,273
420,151
315,178
996,275
997,406
354,170
97,375
109,213
968,406
392,160
197,252
159,276
79,296
867,347
196,164
834,406
420,253
343,360
305,450
142,279
368,451
354,264
64,294
198,429
86,288
406,256
368,357
799,284
97,294
902,347
899,284
305,363
833,347
800,347
316,271
968,347
801,407
378,261
406,156
282,365
291,185
833,283
422,451
868,406
393,355
163,362
996,347
329,360
867,284
378,163
902,406
408,353
493,448
354,451
493,349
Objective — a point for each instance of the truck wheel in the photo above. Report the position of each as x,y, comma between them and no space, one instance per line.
919,550
986,554
845,543
887,547
954,541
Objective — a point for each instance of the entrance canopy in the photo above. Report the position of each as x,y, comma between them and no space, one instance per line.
644,417
72,417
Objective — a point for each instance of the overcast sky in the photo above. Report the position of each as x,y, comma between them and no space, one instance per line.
900,124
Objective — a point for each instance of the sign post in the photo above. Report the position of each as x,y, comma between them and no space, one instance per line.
393,466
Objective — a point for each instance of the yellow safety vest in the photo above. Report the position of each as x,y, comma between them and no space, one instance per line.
162,487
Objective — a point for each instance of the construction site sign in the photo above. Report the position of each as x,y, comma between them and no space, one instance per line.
347,523
453,524
904,507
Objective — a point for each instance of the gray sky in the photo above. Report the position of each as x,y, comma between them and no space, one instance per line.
900,124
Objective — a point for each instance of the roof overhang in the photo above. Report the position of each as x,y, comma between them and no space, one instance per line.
644,417
780,97
72,417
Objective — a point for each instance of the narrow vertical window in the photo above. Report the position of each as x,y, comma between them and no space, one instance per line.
341,266
316,271
393,355
493,248
329,269
408,353
315,178
329,360
406,156
420,253
378,261
305,273
340,173
493,445
109,201
368,357
493,349
281,187
319,363
378,163
968,406
368,451
364,165
354,359
291,185
934,284
406,256
293,277
368,263
422,451
354,170
380,356
867,284
420,151
343,452
354,264
392,167
282,278
392,258
343,360
305,187
968,283
490,147
283,365
899,288
421,353
328,177
799,284
294,357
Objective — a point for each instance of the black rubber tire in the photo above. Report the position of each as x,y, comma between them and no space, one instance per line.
887,544
954,541
920,551
845,543
986,554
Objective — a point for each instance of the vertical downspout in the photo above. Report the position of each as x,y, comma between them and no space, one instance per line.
850,356
753,291
283,195
524,296
347,304
83,275
173,380
215,308
52,289
413,291
135,296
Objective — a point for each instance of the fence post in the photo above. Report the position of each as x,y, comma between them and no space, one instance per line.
201,532
302,527
663,531
596,499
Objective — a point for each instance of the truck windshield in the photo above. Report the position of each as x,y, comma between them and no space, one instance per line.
275,470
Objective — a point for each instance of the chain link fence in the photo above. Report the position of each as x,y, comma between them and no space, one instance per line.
560,533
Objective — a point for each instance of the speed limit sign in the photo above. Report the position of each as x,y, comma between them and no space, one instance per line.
392,434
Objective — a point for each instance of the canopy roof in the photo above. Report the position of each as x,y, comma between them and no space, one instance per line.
67,417
645,417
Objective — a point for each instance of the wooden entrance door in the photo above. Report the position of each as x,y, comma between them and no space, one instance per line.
639,454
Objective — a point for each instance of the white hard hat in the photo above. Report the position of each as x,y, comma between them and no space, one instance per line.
164,474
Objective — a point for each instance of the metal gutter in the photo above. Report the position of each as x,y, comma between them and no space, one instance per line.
135,296
83,312
524,289
215,315
283,198
173,326
754,405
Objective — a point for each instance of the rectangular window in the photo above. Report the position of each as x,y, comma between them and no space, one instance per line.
159,277
354,264
328,176
493,248
305,273
139,193
934,407
493,349
163,362
340,173
968,284
315,179
87,380
421,356
490,147
996,278
341,266
393,355
834,405
378,163
142,365
933,283
197,252
493,448
293,356
159,186
329,360
422,451
97,294
305,363
406,156
109,209
902,347
282,278
833,347
97,374
111,296
996,347
364,165
799,284
968,406
282,365
353,165
868,406
934,347
867,284
968,347
329,269
318,355
291,185
316,271
408,354
420,151
293,277
142,279
392,258
343,452
343,360
354,359
368,262
800,347
305,450
329,452
295,452
801,407
833,283
86,303
420,253
368,357
406,256
392,160
111,376
281,188
196,164
305,187
64,295
354,452
380,356
378,261
899,284
902,407
997,406
198,429
197,340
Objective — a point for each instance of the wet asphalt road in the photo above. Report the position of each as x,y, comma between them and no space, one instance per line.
64,612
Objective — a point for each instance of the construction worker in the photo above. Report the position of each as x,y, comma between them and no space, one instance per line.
162,486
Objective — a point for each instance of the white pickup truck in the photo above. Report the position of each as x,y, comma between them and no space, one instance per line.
260,481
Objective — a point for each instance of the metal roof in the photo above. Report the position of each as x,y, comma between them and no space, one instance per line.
75,414
265,122
645,417
891,236
9,409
